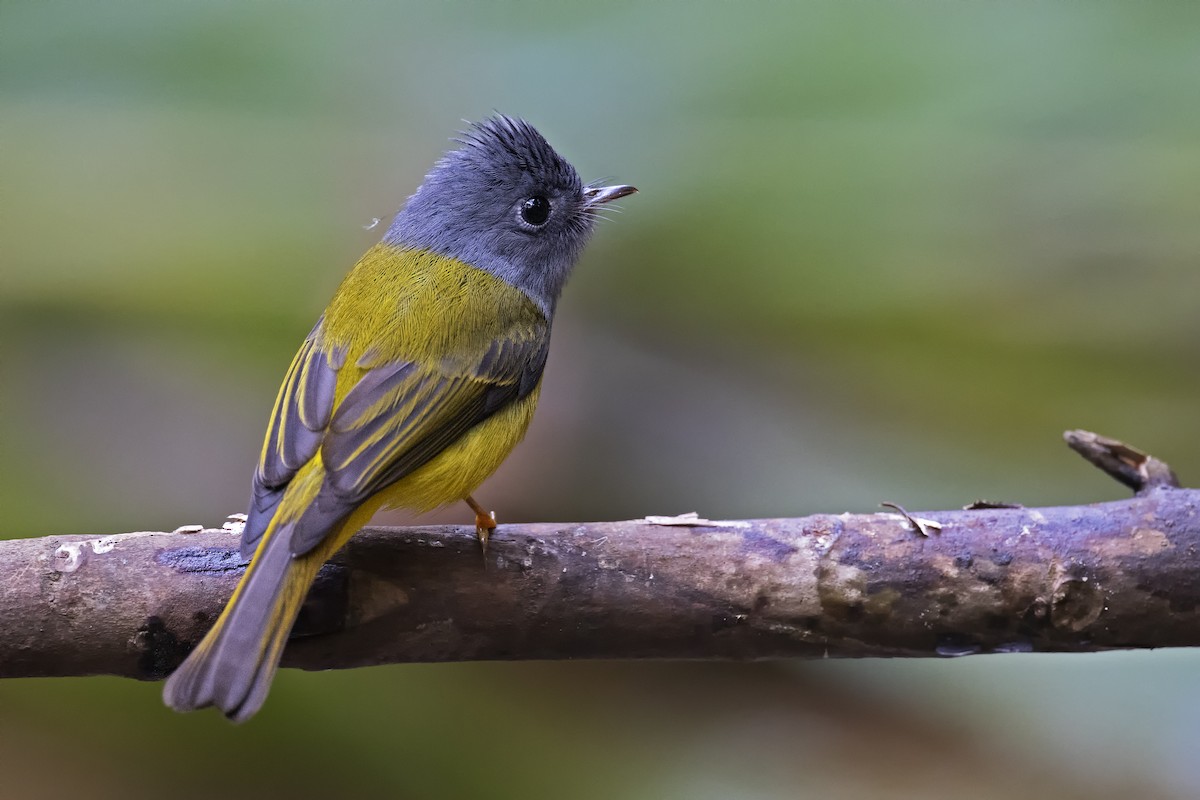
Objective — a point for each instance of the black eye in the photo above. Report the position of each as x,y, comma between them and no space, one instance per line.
536,210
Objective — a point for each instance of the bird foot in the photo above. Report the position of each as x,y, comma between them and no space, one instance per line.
484,525
485,522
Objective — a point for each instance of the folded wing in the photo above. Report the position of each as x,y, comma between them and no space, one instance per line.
395,416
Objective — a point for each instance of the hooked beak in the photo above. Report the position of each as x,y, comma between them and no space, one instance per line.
598,195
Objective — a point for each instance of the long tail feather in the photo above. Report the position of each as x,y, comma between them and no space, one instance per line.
233,665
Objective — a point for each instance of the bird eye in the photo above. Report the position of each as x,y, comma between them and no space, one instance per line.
535,210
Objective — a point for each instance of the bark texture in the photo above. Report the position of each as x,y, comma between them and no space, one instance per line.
1074,578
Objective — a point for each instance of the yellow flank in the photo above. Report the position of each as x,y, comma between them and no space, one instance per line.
450,476
460,468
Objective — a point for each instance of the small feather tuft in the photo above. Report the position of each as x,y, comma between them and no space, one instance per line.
504,139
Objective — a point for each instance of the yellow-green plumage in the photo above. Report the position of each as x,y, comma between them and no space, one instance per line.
400,305
461,333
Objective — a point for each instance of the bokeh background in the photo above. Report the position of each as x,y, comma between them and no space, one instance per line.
882,252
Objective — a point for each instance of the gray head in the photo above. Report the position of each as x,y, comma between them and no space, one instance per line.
507,203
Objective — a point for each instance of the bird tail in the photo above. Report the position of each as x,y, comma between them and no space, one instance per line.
233,665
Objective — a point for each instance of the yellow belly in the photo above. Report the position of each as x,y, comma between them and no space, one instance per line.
460,468
450,476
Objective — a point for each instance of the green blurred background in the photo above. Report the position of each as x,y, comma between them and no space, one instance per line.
882,252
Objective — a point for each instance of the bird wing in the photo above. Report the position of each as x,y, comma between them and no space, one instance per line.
396,415
298,420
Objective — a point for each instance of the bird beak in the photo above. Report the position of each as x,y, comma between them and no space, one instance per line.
598,195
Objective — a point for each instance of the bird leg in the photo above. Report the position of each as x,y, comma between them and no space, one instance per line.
485,522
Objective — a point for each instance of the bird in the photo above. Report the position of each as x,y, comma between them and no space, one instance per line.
414,385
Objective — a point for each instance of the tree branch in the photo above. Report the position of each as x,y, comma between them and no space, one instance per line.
987,579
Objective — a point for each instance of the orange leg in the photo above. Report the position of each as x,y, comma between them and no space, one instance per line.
485,522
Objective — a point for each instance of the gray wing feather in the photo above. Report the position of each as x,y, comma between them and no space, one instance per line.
371,389
302,412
